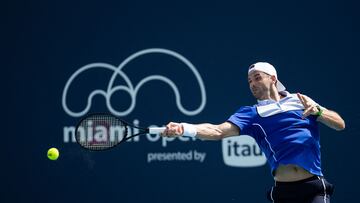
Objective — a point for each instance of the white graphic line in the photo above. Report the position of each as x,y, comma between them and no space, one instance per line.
129,88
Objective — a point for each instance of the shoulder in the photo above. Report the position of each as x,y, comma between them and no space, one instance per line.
293,96
246,112
246,109
243,117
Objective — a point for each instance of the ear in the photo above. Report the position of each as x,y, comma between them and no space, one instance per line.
273,78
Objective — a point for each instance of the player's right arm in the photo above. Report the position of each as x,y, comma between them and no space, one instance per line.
204,131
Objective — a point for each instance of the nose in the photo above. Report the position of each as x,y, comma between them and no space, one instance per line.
252,85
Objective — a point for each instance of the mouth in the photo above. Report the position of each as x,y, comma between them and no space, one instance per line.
255,91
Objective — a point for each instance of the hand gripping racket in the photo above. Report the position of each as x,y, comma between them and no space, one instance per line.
102,131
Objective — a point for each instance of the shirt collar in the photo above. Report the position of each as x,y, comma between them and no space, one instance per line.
270,101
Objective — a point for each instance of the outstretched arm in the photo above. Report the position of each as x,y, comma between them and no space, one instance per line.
205,131
328,117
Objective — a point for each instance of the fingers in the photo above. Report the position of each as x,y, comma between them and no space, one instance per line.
173,130
309,105
309,111
302,99
305,100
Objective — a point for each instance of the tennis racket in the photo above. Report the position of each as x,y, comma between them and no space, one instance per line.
102,131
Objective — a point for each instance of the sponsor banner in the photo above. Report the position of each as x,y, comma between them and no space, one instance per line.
242,151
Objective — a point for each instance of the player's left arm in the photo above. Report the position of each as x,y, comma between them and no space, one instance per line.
328,117
331,119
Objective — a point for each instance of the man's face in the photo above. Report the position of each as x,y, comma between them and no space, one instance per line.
260,84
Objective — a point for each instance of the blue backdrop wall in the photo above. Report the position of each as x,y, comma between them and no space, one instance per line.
63,60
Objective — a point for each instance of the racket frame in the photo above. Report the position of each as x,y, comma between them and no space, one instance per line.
143,131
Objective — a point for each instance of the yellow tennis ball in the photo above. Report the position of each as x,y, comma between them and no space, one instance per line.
53,154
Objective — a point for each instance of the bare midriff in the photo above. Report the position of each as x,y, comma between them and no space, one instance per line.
291,173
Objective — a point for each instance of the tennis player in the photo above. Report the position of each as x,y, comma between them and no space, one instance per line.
285,126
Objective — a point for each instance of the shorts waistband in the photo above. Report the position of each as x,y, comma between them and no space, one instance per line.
299,181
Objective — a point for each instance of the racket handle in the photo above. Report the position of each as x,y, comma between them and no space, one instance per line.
156,130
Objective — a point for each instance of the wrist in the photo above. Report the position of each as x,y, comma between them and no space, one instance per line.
189,130
320,110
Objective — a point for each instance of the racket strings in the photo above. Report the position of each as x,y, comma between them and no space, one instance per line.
101,132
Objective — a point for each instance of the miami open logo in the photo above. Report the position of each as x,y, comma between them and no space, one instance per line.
130,88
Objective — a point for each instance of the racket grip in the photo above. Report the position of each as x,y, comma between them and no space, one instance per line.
156,130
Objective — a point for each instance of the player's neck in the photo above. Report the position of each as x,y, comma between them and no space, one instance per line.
274,95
